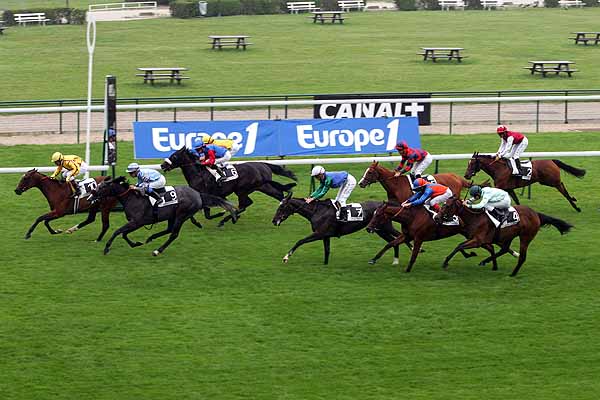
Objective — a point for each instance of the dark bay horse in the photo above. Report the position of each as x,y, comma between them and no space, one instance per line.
399,189
480,231
252,176
417,225
139,212
545,172
58,194
321,215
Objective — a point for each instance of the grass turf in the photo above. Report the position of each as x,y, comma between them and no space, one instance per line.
218,315
372,52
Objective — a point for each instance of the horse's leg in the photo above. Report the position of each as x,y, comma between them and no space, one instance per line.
493,256
50,229
271,191
130,242
162,233
389,237
177,224
522,255
196,223
326,249
415,253
513,195
105,222
467,244
468,255
90,218
394,243
128,227
208,216
310,238
49,216
505,248
563,190
244,201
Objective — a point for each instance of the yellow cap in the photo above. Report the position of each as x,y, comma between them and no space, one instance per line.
208,139
57,156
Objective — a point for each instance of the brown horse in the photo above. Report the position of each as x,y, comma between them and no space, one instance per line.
546,172
61,203
480,231
399,189
417,225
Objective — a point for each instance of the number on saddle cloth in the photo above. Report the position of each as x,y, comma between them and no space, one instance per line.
448,222
512,218
353,212
86,187
229,170
168,193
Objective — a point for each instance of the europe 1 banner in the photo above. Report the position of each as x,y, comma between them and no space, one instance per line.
267,138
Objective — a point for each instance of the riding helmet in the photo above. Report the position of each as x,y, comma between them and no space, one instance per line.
317,170
57,156
402,145
475,191
419,182
501,129
133,167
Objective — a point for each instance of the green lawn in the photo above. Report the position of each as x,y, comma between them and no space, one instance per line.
31,4
219,317
372,52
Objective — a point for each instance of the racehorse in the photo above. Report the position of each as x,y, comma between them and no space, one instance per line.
417,225
399,188
546,172
140,212
61,203
252,176
321,214
480,231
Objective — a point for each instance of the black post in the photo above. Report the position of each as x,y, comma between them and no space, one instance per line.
109,150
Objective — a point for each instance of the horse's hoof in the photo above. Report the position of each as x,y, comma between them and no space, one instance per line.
372,262
57,231
106,250
155,253
27,237
136,244
286,259
514,254
481,264
445,266
148,240
472,254
396,261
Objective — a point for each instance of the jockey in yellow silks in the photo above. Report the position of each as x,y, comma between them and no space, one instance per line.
71,166
229,144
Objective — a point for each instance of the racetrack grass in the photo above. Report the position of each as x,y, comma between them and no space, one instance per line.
218,316
32,4
372,52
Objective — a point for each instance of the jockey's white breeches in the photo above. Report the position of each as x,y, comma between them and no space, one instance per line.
223,160
502,204
439,199
421,166
345,190
235,147
82,170
517,149
157,184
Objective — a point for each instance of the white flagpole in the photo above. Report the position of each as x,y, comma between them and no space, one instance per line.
91,45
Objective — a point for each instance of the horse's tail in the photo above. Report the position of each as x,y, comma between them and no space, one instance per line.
562,226
284,188
282,171
208,200
578,172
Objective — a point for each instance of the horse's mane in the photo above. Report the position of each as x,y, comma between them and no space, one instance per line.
477,155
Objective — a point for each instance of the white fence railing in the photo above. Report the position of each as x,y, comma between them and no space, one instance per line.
122,6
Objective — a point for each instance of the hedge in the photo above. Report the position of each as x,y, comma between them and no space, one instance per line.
55,15
406,5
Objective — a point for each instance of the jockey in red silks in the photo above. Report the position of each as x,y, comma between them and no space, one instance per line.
414,161
511,147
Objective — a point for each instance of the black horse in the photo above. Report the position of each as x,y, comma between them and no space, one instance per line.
325,225
139,212
252,176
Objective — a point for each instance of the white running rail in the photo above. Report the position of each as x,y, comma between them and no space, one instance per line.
122,6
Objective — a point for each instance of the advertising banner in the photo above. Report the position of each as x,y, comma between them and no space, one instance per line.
264,138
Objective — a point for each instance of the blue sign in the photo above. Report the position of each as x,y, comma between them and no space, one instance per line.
280,137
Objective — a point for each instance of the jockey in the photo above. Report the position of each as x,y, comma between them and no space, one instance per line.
413,160
212,156
491,199
148,180
511,147
333,179
431,194
229,144
73,166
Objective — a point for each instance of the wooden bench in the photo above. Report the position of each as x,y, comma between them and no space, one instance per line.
347,5
570,3
220,41
2,28
23,19
489,4
175,75
551,67
581,37
297,6
448,4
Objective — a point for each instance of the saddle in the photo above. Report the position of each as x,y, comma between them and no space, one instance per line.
352,212
525,170
503,218
168,194
455,221
229,170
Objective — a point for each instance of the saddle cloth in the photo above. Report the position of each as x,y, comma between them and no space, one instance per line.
168,193
86,187
526,170
230,173
512,219
354,212
453,222
428,178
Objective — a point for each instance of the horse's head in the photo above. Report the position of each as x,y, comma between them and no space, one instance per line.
449,209
379,218
176,160
474,166
110,188
371,175
285,209
30,179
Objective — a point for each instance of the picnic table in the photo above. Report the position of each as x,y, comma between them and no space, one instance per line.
151,74
433,53
582,37
546,67
322,16
220,41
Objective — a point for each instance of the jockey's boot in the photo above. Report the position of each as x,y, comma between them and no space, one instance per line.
159,199
221,173
500,214
518,165
74,188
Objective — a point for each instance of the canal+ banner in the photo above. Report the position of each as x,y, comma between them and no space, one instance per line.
262,138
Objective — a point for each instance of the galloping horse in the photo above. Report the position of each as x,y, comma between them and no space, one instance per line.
252,176
417,225
481,232
61,203
399,188
321,215
546,172
139,212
